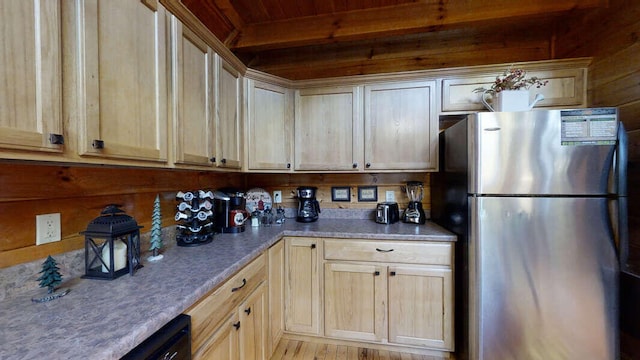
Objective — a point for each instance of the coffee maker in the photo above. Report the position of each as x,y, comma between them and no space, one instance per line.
308,206
414,213
229,212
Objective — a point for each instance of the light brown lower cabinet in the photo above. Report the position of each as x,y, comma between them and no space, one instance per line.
421,306
370,295
231,322
223,343
355,301
392,293
276,294
242,335
302,285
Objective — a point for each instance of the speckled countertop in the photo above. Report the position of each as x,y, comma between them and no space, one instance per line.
105,319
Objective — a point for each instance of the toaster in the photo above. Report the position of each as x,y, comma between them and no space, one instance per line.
387,213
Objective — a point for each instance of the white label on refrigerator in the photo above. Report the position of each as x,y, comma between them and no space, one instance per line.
589,126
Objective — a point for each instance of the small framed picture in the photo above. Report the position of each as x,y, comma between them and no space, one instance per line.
367,193
340,193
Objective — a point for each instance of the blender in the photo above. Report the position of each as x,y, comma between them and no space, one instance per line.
414,213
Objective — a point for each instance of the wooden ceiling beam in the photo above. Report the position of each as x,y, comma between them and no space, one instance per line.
227,9
422,16
404,58
422,44
529,52
230,12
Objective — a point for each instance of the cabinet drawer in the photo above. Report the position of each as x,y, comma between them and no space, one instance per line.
436,253
212,309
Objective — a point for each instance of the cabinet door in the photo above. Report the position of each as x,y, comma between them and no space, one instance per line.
354,301
400,126
30,75
192,97
223,344
328,129
566,88
302,288
270,127
421,306
228,116
122,88
276,294
253,326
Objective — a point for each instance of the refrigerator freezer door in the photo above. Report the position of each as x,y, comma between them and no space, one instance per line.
527,153
546,275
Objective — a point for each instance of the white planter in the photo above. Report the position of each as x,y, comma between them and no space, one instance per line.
511,100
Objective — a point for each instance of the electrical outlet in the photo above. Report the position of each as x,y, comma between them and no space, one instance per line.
47,228
277,197
390,196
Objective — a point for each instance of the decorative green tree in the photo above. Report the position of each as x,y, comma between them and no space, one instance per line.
156,228
50,277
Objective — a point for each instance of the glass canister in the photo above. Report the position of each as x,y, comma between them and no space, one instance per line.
267,217
255,218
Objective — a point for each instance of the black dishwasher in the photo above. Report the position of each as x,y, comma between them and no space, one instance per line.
171,342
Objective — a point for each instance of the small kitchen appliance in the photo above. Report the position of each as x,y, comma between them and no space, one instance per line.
414,213
308,206
387,213
229,212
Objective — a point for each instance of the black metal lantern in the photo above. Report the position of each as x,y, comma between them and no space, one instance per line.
111,245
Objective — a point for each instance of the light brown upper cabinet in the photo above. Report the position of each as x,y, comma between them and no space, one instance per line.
400,126
398,131
192,97
270,126
31,76
566,89
120,79
228,116
328,129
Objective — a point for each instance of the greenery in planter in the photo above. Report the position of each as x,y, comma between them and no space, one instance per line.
513,79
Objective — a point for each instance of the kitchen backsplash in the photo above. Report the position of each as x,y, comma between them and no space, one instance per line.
79,193
23,277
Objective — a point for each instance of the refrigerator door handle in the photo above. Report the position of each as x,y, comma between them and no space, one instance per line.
621,161
621,180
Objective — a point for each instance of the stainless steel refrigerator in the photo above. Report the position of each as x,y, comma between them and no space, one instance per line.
538,200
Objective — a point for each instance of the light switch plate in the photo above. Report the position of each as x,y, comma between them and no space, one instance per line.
277,197
47,228
390,196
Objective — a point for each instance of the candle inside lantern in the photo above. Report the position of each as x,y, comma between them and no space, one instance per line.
119,256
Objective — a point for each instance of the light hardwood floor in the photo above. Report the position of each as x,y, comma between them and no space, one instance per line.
302,350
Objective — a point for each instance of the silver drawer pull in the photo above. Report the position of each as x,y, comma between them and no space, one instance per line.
380,250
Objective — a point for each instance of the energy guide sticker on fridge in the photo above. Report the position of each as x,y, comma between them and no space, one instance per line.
589,126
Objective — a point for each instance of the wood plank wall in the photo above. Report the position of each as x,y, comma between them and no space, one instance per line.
612,37
288,183
79,193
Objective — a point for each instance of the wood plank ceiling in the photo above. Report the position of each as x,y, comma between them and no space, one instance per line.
303,39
